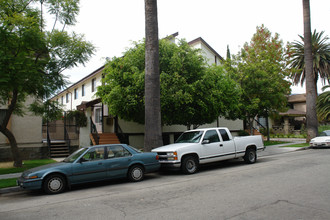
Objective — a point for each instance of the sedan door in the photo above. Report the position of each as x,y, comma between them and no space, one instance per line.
91,167
118,161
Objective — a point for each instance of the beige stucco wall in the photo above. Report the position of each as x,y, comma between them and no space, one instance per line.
26,129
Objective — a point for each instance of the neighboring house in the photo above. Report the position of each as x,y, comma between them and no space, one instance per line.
27,131
292,120
81,96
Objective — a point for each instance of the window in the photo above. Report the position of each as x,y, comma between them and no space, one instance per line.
212,136
98,115
94,154
117,151
67,97
62,98
83,90
75,93
224,135
93,84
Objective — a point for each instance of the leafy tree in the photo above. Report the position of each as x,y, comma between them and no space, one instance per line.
32,59
228,54
153,127
260,70
323,105
191,93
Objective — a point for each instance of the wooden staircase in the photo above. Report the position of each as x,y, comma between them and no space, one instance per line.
105,138
59,148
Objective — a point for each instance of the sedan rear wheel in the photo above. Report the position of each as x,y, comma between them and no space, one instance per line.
136,173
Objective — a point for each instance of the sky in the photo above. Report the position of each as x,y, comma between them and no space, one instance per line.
112,25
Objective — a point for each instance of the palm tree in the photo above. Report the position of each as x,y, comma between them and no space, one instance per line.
321,58
311,92
323,105
153,129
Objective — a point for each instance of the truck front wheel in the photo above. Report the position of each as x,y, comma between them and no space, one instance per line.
250,156
189,165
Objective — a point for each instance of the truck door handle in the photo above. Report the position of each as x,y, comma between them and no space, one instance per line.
221,145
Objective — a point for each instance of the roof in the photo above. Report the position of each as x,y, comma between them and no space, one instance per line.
85,104
197,40
293,113
297,98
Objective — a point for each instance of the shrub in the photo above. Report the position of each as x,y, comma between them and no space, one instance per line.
243,133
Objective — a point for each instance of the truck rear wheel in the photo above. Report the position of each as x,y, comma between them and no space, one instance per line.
250,156
189,165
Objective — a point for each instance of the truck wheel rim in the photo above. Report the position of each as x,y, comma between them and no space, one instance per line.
252,156
191,166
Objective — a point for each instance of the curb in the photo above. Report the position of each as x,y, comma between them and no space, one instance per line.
10,189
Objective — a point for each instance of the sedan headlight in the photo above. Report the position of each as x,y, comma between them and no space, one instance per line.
31,177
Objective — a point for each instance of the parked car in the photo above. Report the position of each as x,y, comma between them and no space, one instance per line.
89,164
323,140
207,145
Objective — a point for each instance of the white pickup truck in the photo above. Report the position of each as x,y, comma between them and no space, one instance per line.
202,146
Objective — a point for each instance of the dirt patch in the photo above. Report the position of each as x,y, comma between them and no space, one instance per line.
6,165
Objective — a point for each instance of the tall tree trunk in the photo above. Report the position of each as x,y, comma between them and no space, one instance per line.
311,93
153,129
13,146
5,131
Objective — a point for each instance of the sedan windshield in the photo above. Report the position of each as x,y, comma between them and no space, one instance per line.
190,137
325,133
75,155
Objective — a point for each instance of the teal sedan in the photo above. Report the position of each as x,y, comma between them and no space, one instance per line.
90,164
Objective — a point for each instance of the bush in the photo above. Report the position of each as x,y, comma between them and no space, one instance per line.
243,133
78,116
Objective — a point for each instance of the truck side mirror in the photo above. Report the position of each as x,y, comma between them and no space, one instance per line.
205,141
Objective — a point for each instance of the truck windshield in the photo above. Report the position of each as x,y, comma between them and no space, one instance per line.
190,137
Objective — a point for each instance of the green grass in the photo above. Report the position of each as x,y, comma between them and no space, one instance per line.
27,164
298,145
8,183
268,143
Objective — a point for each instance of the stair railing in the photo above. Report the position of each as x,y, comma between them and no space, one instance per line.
94,132
48,139
123,138
66,137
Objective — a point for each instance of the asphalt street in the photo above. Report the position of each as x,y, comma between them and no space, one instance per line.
291,185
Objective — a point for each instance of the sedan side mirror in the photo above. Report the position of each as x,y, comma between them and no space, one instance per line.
82,160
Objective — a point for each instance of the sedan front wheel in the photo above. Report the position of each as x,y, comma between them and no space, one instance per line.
54,184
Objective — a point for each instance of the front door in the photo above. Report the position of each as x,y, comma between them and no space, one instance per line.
212,148
91,167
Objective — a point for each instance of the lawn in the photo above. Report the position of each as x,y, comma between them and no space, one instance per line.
7,167
268,143
298,145
7,183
